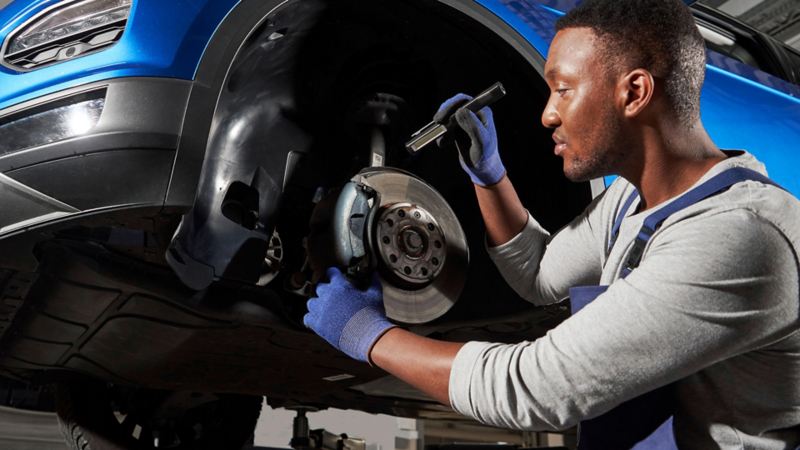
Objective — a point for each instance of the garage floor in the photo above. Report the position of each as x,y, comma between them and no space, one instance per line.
28,430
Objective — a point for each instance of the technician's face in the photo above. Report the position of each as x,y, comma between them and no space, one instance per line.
587,129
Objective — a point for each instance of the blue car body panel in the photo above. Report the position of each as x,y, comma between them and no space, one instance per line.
162,39
741,105
739,113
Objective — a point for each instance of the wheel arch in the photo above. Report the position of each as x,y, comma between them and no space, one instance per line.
214,69
220,147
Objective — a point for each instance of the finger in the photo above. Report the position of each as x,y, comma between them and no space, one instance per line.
310,319
313,305
334,274
463,145
471,124
450,105
486,116
322,288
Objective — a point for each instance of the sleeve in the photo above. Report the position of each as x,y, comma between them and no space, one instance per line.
708,289
541,268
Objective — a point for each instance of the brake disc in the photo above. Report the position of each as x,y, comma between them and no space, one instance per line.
418,242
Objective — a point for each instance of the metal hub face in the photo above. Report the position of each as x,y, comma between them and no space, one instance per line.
411,243
428,271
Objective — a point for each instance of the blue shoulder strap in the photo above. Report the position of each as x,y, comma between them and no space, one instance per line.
621,215
712,186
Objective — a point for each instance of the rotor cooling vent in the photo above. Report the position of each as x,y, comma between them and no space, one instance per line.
69,30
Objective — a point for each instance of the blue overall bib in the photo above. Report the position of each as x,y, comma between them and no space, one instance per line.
645,422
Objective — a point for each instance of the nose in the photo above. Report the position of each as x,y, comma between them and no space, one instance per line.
550,117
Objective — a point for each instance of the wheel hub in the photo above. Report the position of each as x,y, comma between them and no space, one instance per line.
410,243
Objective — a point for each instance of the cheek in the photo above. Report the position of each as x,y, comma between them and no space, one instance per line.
596,123
582,126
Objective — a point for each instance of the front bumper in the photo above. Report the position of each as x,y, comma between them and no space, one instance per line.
122,159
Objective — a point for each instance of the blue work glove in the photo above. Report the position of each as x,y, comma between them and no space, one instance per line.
348,318
480,158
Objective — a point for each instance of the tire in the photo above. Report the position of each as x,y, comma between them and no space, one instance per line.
97,416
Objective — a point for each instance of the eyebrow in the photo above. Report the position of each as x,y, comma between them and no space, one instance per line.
552,72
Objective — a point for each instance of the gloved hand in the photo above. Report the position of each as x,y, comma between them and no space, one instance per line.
480,159
350,319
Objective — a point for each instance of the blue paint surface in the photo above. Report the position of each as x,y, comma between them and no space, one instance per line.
163,38
742,107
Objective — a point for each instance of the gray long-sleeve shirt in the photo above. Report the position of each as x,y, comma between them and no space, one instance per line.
714,305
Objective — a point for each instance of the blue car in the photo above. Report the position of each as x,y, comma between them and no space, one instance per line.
175,174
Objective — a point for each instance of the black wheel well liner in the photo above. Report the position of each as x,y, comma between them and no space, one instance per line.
240,25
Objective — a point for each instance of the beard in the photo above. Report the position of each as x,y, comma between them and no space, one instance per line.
605,154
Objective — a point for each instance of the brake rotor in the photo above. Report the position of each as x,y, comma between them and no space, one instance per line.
418,241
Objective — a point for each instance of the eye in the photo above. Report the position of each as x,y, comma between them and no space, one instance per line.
561,91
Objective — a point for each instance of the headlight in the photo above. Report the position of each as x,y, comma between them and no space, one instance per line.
65,31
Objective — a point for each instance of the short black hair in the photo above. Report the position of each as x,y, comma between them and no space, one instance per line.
658,35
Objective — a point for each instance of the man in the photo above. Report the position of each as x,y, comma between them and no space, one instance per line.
696,313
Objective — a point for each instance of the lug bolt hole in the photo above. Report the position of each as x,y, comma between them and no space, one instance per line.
431,227
390,222
386,240
437,244
401,213
435,261
424,272
393,258
407,270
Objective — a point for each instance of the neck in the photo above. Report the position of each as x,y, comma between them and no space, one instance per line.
671,160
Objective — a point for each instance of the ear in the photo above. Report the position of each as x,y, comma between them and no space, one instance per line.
636,92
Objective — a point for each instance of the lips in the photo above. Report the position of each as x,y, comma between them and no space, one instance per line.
561,144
